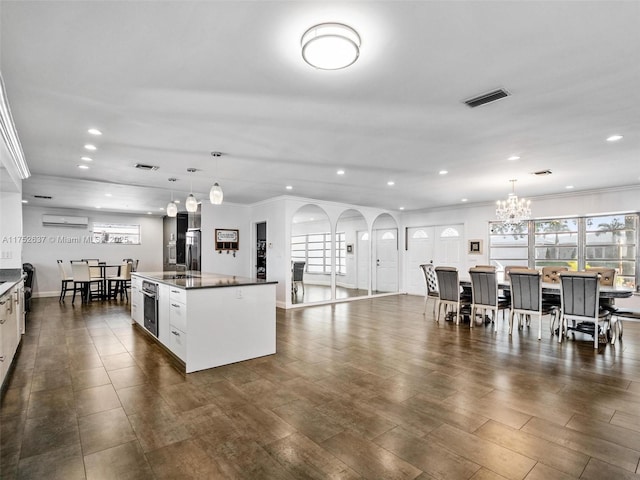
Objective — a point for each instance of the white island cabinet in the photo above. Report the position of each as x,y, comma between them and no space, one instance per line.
208,320
11,323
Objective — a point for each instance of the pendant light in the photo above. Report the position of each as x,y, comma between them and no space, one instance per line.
191,203
215,194
172,208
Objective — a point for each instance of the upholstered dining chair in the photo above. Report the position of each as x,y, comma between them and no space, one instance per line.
65,281
297,277
431,285
484,294
607,275
449,291
121,282
526,298
82,281
580,302
551,274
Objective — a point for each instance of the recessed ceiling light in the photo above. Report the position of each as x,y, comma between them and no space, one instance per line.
98,206
289,187
569,187
25,201
614,138
86,159
149,213
443,172
401,208
94,131
464,199
176,201
513,157
84,167
340,172
161,208
391,183
91,147
108,195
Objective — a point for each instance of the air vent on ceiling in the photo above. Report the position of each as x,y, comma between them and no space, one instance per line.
142,166
487,98
44,197
542,173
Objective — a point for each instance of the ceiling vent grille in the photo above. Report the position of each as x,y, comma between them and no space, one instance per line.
487,98
44,197
543,173
142,166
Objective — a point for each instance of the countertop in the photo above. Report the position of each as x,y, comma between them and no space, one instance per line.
191,280
8,278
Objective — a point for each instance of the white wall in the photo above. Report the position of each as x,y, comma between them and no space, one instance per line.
11,241
43,256
229,217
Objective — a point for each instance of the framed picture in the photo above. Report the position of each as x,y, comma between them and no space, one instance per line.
226,239
475,247
349,247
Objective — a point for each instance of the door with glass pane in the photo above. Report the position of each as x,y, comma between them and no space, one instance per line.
386,252
420,246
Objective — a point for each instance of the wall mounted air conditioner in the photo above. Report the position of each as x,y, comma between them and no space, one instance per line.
64,221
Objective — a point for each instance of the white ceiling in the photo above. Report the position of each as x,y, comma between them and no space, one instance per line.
169,82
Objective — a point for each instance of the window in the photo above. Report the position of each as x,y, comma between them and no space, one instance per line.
315,250
341,253
116,233
609,241
450,232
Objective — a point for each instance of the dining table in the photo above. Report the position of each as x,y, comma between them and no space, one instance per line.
607,292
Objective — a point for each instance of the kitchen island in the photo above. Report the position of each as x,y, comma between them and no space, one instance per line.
206,319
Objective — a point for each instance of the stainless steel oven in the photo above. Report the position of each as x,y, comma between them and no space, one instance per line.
150,292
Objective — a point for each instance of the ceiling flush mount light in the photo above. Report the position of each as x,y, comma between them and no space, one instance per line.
86,159
215,194
289,187
191,204
172,208
340,172
83,167
614,138
88,146
464,199
94,131
513,158
330,46
443,172
513,210
391,183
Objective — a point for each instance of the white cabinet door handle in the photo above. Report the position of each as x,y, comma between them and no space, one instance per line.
175,333
175,305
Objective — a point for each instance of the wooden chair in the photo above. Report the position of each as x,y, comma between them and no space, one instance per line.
580,302
484,294
449,291
431,285
65,281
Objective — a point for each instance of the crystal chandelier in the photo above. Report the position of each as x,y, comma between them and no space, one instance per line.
513,210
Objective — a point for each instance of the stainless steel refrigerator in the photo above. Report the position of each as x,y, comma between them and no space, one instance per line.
193,249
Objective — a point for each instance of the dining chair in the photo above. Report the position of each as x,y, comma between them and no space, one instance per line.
82,281
65,280
607,275
431,285
484,294
551,274
120,282
297,278
449,291
617,314
526,298
580,302
509,268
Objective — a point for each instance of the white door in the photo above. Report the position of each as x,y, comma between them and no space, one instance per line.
448,245
362,253
386,258
420,249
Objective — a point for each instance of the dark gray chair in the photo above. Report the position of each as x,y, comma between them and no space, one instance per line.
450,293
431,284
526,298
484,294
297,277
30,272
580,304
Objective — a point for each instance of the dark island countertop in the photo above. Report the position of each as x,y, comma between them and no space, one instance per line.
190,280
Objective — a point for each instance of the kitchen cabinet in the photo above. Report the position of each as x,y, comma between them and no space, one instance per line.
215,319
163,313
137,304
11,326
